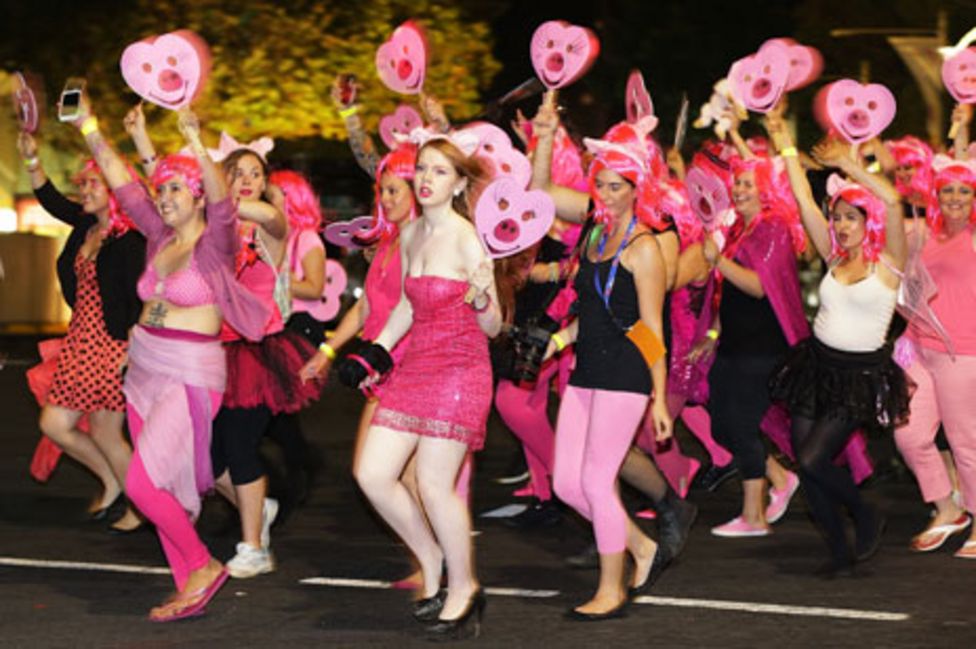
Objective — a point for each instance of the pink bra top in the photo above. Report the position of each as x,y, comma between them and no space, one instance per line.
185,287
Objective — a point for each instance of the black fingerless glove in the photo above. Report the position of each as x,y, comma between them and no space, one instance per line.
370,360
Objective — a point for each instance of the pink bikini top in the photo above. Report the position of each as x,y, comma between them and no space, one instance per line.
185,287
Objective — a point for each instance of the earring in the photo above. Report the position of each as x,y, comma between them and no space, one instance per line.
457,192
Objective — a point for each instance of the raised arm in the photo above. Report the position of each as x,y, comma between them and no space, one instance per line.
571,205
361,144
112,165
135,126
962,115
48,196
214,182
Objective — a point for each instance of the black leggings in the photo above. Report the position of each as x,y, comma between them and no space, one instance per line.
827,486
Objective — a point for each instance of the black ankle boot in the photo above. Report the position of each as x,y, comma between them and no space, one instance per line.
458,628
675,518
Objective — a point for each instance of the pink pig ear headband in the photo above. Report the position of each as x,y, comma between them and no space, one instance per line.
946,170
775,195
465,141
875,215
260,147
402,163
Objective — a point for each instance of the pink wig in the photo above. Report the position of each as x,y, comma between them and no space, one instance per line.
948,171
301,204
874,222
775,196
183,166
401,162
910,150
119,222
624,151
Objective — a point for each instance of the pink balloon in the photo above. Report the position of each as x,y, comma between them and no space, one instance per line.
806,63
637,100
495,146
25,105
399,123
758,81
709,196
857,112
510,219
401,61
336,281
959,76
562,53
168,70
345,233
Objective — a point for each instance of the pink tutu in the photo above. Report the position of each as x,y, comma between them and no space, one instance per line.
442,387
266,373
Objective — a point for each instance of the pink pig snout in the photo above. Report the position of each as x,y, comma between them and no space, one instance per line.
761,88
507,231
858,119
555,62
170,80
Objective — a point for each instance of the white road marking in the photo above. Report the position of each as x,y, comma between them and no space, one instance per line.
82,565
339,582
780,609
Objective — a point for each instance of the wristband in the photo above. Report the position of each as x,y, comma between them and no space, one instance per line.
560,343
712,333
327,349
874,167
32,163
89,126
789,152
346,113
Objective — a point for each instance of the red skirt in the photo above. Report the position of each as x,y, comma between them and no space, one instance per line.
265,373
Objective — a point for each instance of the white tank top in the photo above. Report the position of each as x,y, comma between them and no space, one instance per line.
854,317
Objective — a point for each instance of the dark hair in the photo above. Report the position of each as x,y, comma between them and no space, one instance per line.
230,162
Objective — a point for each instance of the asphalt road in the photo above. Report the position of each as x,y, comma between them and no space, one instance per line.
64,582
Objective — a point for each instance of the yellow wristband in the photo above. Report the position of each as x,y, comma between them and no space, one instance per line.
89,126
346,113
32,163
326,349
712,333
874,167
560,343
789,152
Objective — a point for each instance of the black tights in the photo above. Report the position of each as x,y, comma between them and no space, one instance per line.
827,486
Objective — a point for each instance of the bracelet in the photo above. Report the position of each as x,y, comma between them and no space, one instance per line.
346,113
712,333
89,126
32,163
329,352
560,343
789,152
483,308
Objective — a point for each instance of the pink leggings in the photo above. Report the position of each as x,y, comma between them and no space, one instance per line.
184,550
946,393
594,431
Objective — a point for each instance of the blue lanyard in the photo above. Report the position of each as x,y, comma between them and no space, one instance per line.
607,289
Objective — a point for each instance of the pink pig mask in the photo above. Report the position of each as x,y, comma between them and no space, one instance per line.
858,112
395,127
495,146
758,81
168,70
806,63
401,61
562,53
959,76
709,196
510,219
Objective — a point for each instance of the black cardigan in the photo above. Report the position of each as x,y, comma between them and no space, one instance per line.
118,265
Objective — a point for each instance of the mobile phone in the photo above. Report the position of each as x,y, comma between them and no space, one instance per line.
347,88
70,100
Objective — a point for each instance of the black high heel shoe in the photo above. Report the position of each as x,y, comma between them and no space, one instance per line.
101,514
428,609
457,629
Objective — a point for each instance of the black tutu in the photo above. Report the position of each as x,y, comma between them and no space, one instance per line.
815,380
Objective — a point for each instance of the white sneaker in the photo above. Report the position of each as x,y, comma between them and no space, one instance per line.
250,562
269,511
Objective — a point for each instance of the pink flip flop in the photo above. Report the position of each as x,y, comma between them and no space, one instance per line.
197,608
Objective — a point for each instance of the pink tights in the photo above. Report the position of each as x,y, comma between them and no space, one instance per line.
945,393
595,429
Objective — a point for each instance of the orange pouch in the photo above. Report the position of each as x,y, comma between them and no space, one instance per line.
649,345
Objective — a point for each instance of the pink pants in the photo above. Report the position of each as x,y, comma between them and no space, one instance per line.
946,393
184,550
594,431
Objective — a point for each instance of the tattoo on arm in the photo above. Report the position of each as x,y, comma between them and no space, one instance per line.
362,147
157,315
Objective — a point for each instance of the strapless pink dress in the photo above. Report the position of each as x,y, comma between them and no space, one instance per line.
442,386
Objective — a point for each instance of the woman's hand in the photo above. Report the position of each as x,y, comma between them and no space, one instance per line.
189,124
546,121
832,152
434,112
135,121
26,145
316,367
479,282
338,89
663,424
84,110
962,114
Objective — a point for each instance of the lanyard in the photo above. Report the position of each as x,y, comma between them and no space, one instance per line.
607,289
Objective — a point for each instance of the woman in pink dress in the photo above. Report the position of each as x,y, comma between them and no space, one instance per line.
436,402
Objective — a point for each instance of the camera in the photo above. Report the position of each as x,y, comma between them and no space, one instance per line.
530,342
70,101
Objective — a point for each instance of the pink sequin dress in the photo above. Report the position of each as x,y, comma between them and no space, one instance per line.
442,387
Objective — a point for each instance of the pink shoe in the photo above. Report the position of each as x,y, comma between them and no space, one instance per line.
779,501
739,528
647,514
525,492
198,607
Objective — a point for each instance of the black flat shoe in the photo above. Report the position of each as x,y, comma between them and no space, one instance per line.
618,611
458,628
118,531
428,609
659,564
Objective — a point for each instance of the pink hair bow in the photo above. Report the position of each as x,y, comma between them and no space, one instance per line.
466,141
837,184
261,147
942,161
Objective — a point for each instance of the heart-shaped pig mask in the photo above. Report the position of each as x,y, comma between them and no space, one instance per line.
758,81
348,234
806,63
562,53
496,147
335,283
510,219
959,76
709,196
168,70
401,61
395,127
857,112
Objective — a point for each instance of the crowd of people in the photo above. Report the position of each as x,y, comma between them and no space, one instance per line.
193,289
